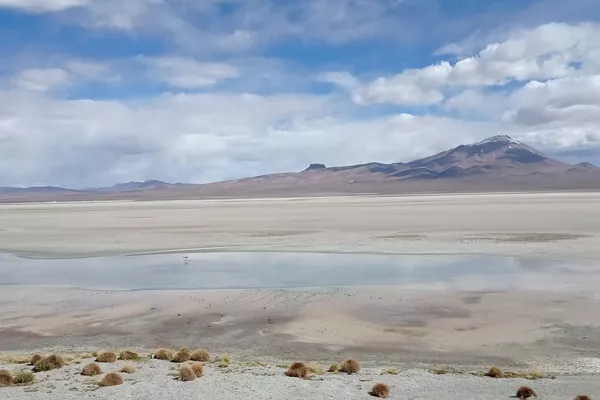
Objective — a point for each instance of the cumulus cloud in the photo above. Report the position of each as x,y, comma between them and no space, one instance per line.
187,73
41,80
540,85
201,137
549,51
41,6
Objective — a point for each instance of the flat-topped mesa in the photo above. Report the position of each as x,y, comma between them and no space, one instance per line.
315,167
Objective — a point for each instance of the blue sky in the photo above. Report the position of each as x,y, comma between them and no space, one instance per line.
94,92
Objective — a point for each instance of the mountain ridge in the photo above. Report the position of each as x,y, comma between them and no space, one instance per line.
497,163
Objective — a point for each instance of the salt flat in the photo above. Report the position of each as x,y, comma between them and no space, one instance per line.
561,224
534,323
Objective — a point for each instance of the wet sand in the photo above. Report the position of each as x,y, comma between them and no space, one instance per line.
415,326
566,225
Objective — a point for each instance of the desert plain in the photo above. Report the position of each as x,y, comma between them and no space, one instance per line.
544,321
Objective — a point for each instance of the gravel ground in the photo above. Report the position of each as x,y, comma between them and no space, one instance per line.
156,380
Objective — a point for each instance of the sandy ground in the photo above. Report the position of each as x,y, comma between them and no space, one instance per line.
156,379
566,225
536,325
554,332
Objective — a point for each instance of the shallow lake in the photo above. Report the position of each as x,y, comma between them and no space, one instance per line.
299,270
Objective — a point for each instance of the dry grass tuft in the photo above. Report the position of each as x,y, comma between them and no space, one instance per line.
91,369
380,390
298,370
186,373
111,379
23,378
164,354
223,361
182,355
438,370
582,397
128,355
525,392
14,359
335,367
198,368
34,359
391,371
128,369
532,376
106,357
6,378
200,355
49,363
350,366
316,370
495,372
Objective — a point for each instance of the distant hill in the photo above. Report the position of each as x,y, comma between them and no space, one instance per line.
498,163
129,186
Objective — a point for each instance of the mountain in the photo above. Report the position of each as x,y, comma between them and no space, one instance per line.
498,163
129,186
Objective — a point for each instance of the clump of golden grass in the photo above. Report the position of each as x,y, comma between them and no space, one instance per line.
438,370
128,369
335,367
164,354
495,372
297,370
316,370
223,361
525,392
380,390
91,369
34,359
350,366
582,397
49,363
198,368
23,378
532,376
6,378
14,359
391,371
128,355
186,373
111,379
182,355
106,357
200,355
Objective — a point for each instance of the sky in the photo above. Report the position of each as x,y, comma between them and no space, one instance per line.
95,92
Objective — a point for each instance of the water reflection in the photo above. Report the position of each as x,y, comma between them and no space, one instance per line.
289,270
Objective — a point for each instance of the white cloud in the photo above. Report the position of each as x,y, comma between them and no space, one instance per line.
546,52
41,80
92,70
188,73
41,6
201,137
412,87
564,102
